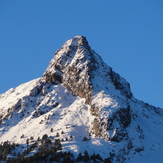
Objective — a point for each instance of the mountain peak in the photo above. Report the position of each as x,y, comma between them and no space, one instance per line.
71,66
77,66
82,96
76,41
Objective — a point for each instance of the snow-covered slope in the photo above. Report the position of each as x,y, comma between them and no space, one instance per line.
79,98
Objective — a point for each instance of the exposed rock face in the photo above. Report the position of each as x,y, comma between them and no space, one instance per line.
118,123
121,84
113,127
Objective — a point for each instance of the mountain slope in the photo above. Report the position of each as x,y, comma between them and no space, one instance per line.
79,98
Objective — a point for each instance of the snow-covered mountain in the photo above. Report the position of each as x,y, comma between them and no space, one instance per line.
83,102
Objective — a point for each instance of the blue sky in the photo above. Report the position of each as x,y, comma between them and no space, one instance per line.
127,34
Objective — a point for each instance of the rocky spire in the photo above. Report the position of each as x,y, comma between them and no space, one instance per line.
84,73
76,64
71,66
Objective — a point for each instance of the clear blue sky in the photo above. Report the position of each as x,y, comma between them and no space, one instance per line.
127,34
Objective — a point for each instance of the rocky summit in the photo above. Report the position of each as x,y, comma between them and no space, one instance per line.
80,110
